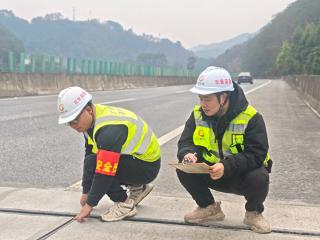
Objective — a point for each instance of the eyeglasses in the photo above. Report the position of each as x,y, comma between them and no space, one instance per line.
76,120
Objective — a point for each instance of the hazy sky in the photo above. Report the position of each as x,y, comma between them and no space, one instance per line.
192,22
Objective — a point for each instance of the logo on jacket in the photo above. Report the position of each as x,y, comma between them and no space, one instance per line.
200,133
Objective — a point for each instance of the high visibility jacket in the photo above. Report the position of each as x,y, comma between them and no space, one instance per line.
141,142
233,137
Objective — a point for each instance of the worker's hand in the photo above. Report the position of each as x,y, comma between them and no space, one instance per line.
83,199
216,171
85,212
190,158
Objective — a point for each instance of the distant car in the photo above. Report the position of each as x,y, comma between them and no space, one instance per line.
245,77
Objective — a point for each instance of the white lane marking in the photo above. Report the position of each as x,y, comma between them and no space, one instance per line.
256,88
120,100
170,135
26,97
312,109
175,132
75,185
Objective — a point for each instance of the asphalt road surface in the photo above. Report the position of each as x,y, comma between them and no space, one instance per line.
37,152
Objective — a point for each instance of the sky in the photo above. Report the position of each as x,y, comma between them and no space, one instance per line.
192,22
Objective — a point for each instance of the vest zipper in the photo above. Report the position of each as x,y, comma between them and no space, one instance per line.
220,149
218,139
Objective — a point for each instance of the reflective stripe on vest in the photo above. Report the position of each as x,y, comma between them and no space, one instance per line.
233,138
141,142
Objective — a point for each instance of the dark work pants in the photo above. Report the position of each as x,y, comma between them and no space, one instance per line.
254,186
130,171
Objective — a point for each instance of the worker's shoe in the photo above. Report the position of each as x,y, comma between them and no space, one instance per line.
120,210
213,212
257,222
138,192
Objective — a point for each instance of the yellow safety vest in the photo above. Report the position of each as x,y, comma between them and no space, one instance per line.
233,138
141,142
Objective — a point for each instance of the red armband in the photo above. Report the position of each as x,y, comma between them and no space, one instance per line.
107,162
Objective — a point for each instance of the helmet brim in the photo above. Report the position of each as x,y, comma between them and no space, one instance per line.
203,92
64,120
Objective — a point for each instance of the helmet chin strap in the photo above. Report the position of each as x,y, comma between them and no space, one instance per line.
221,110
93,115
221,105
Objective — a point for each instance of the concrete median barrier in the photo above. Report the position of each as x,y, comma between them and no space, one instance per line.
16,84
10,86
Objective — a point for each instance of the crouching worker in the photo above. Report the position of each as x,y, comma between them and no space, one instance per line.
228,134
121,149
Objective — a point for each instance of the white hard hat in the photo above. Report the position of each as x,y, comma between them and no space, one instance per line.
71,101
213,80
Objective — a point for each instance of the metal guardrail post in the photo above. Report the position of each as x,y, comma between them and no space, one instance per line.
59,68
11,62
42,63
83,66
69,65
74,65
21,63
90,67
33,64
106,68
101,67
52,65
94,66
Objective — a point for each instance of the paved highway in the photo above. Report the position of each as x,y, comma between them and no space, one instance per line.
37,152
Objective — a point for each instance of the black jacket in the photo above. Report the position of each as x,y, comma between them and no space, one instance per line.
255,139
110,138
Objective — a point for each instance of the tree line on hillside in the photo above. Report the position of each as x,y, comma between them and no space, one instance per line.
266,53
56,35
301,53
8,42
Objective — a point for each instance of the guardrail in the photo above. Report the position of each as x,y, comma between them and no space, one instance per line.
40,63
308,86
